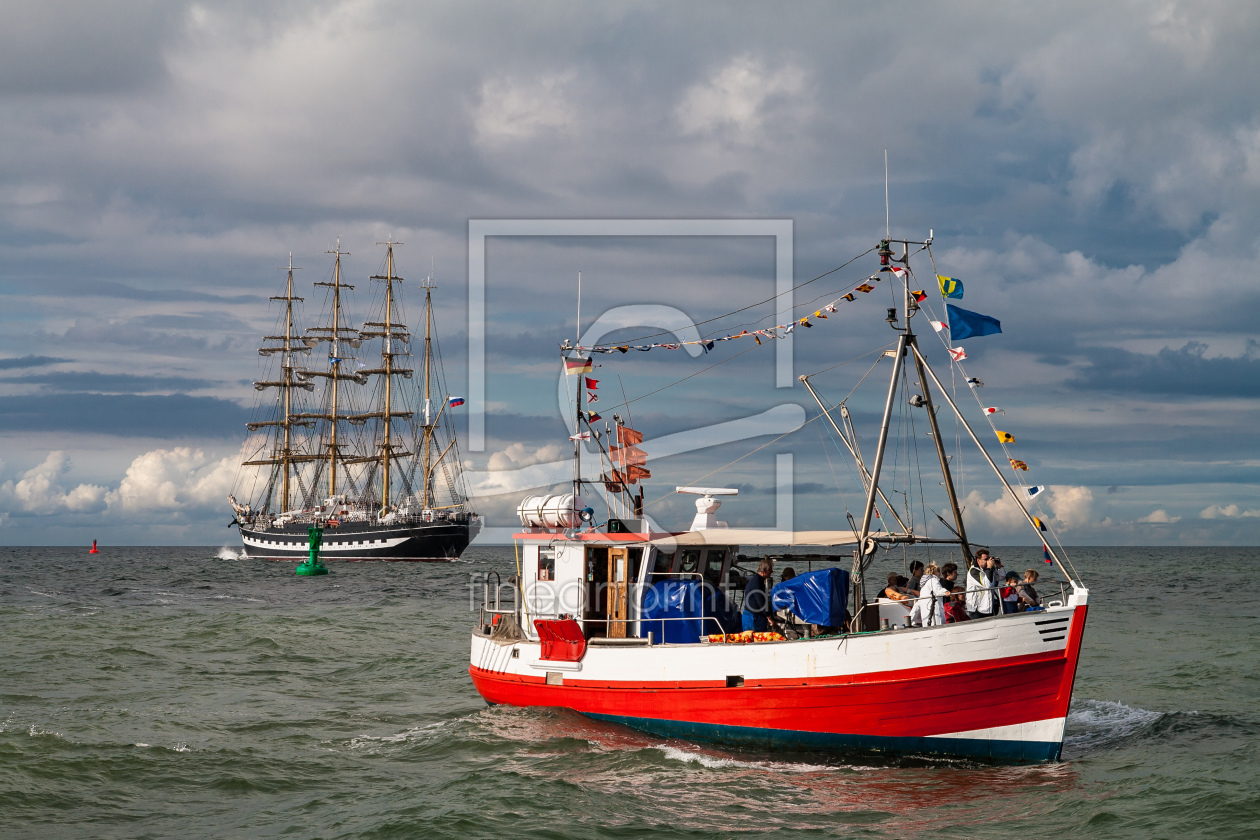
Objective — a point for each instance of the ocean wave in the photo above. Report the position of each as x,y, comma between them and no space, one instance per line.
1097,724
415,734
229,553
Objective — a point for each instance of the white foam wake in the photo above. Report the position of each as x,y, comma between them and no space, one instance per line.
229,553
1097,723
714,762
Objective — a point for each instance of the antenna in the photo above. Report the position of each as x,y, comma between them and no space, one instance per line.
887,216
578,340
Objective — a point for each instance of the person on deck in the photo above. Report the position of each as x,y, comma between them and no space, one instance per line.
1028,598
916,577
954,607
930,604
1010,594
895,590
757,610
982,598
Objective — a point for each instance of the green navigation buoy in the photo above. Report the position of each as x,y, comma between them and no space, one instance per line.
313,566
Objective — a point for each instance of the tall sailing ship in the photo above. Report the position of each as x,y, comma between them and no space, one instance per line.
363,448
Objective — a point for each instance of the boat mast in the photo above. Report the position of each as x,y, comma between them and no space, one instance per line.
387,362
428,411
282,447
577,402
286,452
863,554
960,528
334,361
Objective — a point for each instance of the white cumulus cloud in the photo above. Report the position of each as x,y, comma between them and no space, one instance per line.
40,489
738,97
1226,512
1159,517
517,109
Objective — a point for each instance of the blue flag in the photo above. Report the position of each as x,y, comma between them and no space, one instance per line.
963,323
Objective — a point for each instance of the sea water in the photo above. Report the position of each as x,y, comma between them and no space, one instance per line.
186,692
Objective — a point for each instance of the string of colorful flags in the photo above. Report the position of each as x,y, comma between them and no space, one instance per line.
963,324
767,333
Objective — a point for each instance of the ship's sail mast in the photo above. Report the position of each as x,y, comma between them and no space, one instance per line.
394,338
283,450
337,336
427,467
334,362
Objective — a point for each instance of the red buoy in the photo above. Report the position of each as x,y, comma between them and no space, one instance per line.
94,549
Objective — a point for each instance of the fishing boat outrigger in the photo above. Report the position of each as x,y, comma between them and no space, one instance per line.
626,623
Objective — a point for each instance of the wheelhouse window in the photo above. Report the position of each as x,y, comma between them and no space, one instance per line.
635,557
690,562
664,563
713,562
547,563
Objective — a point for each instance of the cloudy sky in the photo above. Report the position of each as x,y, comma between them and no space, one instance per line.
1091,171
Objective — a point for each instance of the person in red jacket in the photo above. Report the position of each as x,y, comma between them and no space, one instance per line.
955,608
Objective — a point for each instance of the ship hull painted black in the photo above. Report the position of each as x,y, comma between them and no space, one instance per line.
439,541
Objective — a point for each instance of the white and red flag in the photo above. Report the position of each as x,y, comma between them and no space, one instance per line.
957,354
938,325
992,409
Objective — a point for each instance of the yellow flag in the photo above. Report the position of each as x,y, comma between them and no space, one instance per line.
1005,437
1018,465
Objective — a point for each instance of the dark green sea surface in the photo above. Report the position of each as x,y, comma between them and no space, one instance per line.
179,692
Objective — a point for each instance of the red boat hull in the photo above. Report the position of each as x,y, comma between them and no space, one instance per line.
942,709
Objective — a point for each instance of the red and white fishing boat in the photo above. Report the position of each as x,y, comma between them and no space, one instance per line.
597,620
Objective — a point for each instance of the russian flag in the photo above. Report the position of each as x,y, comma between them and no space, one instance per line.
454,401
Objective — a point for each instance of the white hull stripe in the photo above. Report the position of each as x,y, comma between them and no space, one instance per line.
327,547
1050,729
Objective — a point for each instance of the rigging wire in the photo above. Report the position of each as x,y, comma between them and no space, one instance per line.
770,299
626,403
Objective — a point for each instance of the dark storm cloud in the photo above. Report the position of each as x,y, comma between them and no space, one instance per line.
29,362
1187,372
80,288
111,383
64,48
125,415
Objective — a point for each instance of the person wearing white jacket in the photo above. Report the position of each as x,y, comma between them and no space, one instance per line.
928,608
982,598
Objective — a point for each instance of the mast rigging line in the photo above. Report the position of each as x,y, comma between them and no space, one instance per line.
770,299
880,351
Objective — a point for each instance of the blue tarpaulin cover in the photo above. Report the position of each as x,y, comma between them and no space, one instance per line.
683,599
815,597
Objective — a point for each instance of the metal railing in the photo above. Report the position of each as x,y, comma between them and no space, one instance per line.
910,600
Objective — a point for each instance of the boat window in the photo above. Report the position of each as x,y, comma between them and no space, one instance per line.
664,563
690,561
635,556
713,562
547,563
